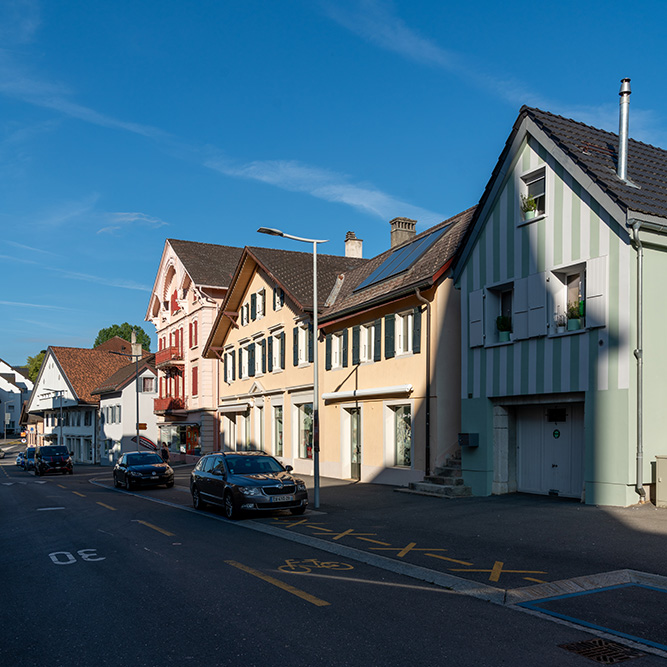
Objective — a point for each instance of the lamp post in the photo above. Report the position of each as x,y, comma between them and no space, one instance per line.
316,389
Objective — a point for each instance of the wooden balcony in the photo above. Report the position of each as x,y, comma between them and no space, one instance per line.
169,356
168,404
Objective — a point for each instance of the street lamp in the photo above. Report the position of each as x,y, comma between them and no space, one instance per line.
316,389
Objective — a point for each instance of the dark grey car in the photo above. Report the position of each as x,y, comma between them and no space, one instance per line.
246,481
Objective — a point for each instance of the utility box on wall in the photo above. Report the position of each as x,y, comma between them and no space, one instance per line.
661,481
468,439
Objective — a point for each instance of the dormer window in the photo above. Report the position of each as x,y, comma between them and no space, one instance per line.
533,194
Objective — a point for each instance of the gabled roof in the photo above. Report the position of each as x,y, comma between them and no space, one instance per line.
595,153
85,369
292,271
121,378
207,264
422,273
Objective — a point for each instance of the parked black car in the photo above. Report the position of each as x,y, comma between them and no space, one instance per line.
252,481
29,460
142,469
53,458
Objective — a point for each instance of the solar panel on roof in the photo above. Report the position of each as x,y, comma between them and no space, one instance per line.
402,259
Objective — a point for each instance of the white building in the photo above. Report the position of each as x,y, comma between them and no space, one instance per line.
118,410
15,388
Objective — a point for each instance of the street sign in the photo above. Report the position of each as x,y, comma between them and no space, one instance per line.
142,427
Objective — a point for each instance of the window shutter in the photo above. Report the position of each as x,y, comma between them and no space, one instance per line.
310,343
296,346
345,345
475,318
378,340
195,329
520,306
269,354
355,345
195,383
232,357
275,293
224,368
389,336
327,353
263,346
596,292
190,333
251,360
253,306
537,305
240,363
417,330
282,350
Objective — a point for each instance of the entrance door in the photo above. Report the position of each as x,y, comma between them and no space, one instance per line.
550,445
355,443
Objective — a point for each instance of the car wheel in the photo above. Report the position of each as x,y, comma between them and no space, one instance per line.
170,484
36,472
231,510
128,483
197,502
298,510
116,485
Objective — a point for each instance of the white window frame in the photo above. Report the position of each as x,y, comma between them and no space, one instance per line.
149,381
337,350
231,363
302,333
526,180
367,343
391,453
559,291
278,298
403,332
243,370
274,439
260,308
258,358
276,361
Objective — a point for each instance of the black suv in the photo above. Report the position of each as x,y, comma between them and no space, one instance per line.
52,458
241,481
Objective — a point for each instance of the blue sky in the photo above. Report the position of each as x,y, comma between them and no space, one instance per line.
123,123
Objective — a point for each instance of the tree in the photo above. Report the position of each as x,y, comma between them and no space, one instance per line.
34,364
123,331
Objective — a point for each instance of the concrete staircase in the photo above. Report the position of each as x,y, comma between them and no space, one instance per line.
446,482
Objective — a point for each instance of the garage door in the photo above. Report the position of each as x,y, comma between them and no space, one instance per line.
550,446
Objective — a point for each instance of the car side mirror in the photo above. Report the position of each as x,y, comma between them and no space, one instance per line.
289,468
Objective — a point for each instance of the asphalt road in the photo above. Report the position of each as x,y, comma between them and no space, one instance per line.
92,575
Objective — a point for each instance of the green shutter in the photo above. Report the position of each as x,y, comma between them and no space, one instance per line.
378,341
224,367
269,356
282,350
253,306
310,343
295,355
251,360
417,330
345,335
232,356
327,354
389,321
263,346
355,345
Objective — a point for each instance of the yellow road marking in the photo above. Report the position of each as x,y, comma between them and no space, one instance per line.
286,587
61,486
497,570
76,493
453,560
107,506
367,539
537,581
350,531
290,524
402,551
316,527
159,530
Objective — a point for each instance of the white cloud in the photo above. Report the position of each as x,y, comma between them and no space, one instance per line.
21,304
69,211
19,21
31,249
323,184
109,282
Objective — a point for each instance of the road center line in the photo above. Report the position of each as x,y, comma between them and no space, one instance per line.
150,525
107,506
276,582
76,493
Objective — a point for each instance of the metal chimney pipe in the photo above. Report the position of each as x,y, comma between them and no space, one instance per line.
623,123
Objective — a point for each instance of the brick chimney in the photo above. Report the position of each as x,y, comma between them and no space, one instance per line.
353,245
402,230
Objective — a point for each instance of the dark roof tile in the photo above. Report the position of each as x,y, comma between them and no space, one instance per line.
207,264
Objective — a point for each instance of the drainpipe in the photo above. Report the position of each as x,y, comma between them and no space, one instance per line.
639,352
427,452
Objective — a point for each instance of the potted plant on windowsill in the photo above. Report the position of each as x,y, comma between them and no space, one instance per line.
504,326
573,316
528,207
561,323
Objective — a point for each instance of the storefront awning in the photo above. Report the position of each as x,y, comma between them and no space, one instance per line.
241,406
368,393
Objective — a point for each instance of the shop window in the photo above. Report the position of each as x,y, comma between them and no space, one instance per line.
305,430
402,422
278,430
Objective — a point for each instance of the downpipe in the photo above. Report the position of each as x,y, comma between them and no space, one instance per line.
639,356
427,449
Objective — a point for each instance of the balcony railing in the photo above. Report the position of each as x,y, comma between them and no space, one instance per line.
169,356
168,403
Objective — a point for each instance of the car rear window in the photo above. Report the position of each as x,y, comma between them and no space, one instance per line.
251,465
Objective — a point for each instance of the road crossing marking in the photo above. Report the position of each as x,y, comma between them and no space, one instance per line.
451,560
107,506
350,532
280,584
402,551
497,570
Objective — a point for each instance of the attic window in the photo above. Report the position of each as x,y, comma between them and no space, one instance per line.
533,189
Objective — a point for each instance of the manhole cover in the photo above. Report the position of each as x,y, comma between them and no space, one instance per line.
603,651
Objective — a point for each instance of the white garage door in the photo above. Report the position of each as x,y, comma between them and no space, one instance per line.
550,446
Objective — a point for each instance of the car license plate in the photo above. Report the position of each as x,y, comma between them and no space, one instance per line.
282,499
